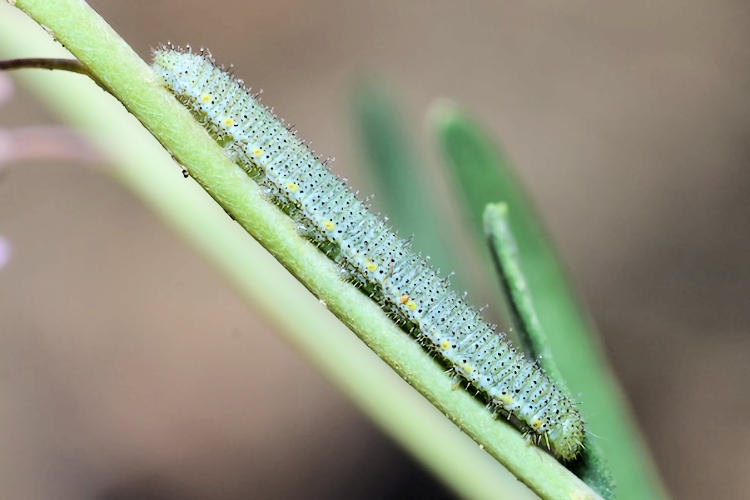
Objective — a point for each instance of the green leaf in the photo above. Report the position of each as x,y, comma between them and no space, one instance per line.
404,190
484,176
591,466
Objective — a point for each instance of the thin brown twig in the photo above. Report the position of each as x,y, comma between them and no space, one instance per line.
73,65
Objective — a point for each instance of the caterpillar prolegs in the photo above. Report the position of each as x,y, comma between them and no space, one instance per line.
370,252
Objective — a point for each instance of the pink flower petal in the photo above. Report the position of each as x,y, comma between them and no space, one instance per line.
5,252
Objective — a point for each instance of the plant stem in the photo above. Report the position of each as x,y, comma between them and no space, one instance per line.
132,82
73,65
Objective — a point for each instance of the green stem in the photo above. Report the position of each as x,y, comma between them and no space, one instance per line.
132,82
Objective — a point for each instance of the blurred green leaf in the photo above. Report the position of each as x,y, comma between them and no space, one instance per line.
404,190
483,175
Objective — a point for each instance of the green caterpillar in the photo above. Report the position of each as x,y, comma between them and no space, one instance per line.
370,253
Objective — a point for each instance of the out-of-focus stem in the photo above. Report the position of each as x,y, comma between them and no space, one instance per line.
133,83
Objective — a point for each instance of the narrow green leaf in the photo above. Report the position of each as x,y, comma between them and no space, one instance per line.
591,466
483,176
504,251
404,191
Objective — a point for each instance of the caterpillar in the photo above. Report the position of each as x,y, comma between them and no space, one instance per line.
369,252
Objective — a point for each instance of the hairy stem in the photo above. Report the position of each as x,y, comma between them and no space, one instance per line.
132,82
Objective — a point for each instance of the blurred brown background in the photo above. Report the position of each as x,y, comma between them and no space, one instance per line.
128,369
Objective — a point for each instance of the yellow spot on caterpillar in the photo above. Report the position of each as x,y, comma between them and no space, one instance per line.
228,122
205,98
411,305
445,345
291,186
404,298
257,152
467,367
507,399
536,424
371,266
329,225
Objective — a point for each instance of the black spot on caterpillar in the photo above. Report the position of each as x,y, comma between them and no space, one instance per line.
370,253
